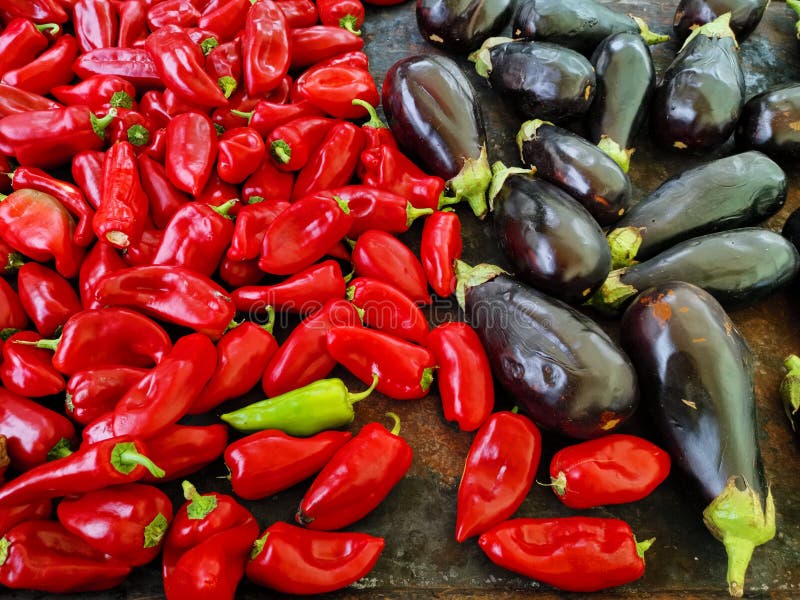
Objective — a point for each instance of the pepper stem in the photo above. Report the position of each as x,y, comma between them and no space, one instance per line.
718,28
258,546
342,204
121,99
125,458
467,277
138,135
413,213
8,332
353,398
374,120
348,22
472,182
14,262
650,37
228,85
60,450
99,124
559,484
208,44
270,324
199,506
620,155
49,28
795,6
243,114
445,201
395,430
613,294
4,546
225,208
44,344
427,379
790,387
154,531
281,151
643,546
624,243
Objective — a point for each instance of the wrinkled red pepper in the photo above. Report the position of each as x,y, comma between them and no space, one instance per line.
100,260
298,13
387,309
164,198
224,65
120,219
131,126
252,222
440,247
96,24
27,369
51,68
87,172
315,44
265,47
185,449
332,89
348,14
380,255
95,392
180,13
241,150
191,151
48,299
133,64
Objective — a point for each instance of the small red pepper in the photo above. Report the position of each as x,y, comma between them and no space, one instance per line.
87,172
312,45
14,100
241,150
183,450
153,106
614,469
12,313
28,370
48,299
100,260
191,151
238,273
293,560
95,392
156,148
388,309
181,13
133,64
356,479
132,15
498,473
127,522
291,144
265,47
34,511
22,41
217,192
348,14
267,115
51,68
164,198
440,247
98,92
298,13
225,20
224,65
375,130
332,88
576,554
96,24
268,183
252,222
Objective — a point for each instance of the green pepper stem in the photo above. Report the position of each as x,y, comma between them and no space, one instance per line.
15,261
353,398
244,114
374,120
138,135
643,546
349,277
343,204
60,450
228,85
8,332
136,458
281,151
348,22
154,531
445,201
49,28
258,546
255,199
790,387
413,213
3,196
225,209
559,484
208,44
121,99
199,506
4,546
427,379
99,124
44,344
270,324
395,430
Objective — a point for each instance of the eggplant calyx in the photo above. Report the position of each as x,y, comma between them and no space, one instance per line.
790,387
500,173
718,28
529,131
624,243
739,519
620,155
612,294
469,277
472,182
651,38
482,57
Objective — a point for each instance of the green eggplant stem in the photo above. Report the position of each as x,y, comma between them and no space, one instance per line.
718,28
624,243
620,155
467,277
353,398
790,387
613,294
500,173
472,181
650,38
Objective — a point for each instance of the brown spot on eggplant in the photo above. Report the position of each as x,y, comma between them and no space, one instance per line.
662,311
689,403
699,340
461,25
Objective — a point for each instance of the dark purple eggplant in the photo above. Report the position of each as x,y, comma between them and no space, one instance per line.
435,117
738,267
625,82
577,24
700,97
557,364
541,80
790,390
735,191
696,376
552,241
745,15
791,228
582,169
770,122
462,25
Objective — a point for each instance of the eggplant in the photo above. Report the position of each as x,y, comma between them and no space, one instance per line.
557,364
625,81
770,122
435,117
735,191
582,169
745,15
543,81
577,24
700,97
696,376
738,267
791,228
462,25
552,241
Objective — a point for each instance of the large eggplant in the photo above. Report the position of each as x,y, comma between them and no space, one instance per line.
577,24
738,267
582,169
625,81
436,118
700,97
745,15
552,241
696,377
541,80
770,122
727,193
462,25
557,364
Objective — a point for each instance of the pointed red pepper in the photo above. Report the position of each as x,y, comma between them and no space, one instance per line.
132,16
96,24
191,150
133,64
225,20
29,370
348,14
291,144
22,41
265,47
332,89
181,13
164,198
376,131
312,45
252,222
224,65
14,100
87,172
12,313
100,260
98,92
48,299
51,68
268,183
33,511
387,309
94,392
440,247
238,273
183,450
38,11
241,150
267,115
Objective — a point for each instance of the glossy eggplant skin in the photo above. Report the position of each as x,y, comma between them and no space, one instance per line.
461,25
770,122
745,15
558,365
735,191
552,241
700,97
582,169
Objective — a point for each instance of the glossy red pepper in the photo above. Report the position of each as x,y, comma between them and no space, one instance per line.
334,161
44,556
332,89
153,106
120,219
312,45
34,511
294,560
22,41
303,358
132,15
217,192
348,14
181,13
241,150
268,183
131,126
38,226
156,148
38,11
224,65
265,47
34,433
298,13
127,522
302,234
191,151
173,294
252,222
291,144
27,369
164,198
440,247
133,64
614,469
380,255
356,479
185,449
388,309
576,554
267,115
95,392
48,299
142,253
100,260
87,172
376,131
226,20
12,313
14,100
98,92
239,273
95,23
51,68
175,105
498,473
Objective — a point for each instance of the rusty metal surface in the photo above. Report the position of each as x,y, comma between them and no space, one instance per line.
422,559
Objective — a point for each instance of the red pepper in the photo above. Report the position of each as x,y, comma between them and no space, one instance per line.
133,64
44,556
268,183
265,47
348,14
48,299
226,20
132,16
131,126
333,163
241,150
96,24
51,68
303,293
34,434
207,546
303,358
142,253
153,106
14,100
388,309
12,313
174,294
267,115
181,13
217,192
301,235
312,45
332,88
100,260
291,460
404,370
126,522
182,450
252,221
38,11
39,227
614,469
376,131
294,560
576,554
380,255
34,511
156,148
291,144
98,92
224,65
358,477
298,13
22,41
28,370
164,198
498,474
175,105
440,247
95,392
238,273
87,172
191,151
